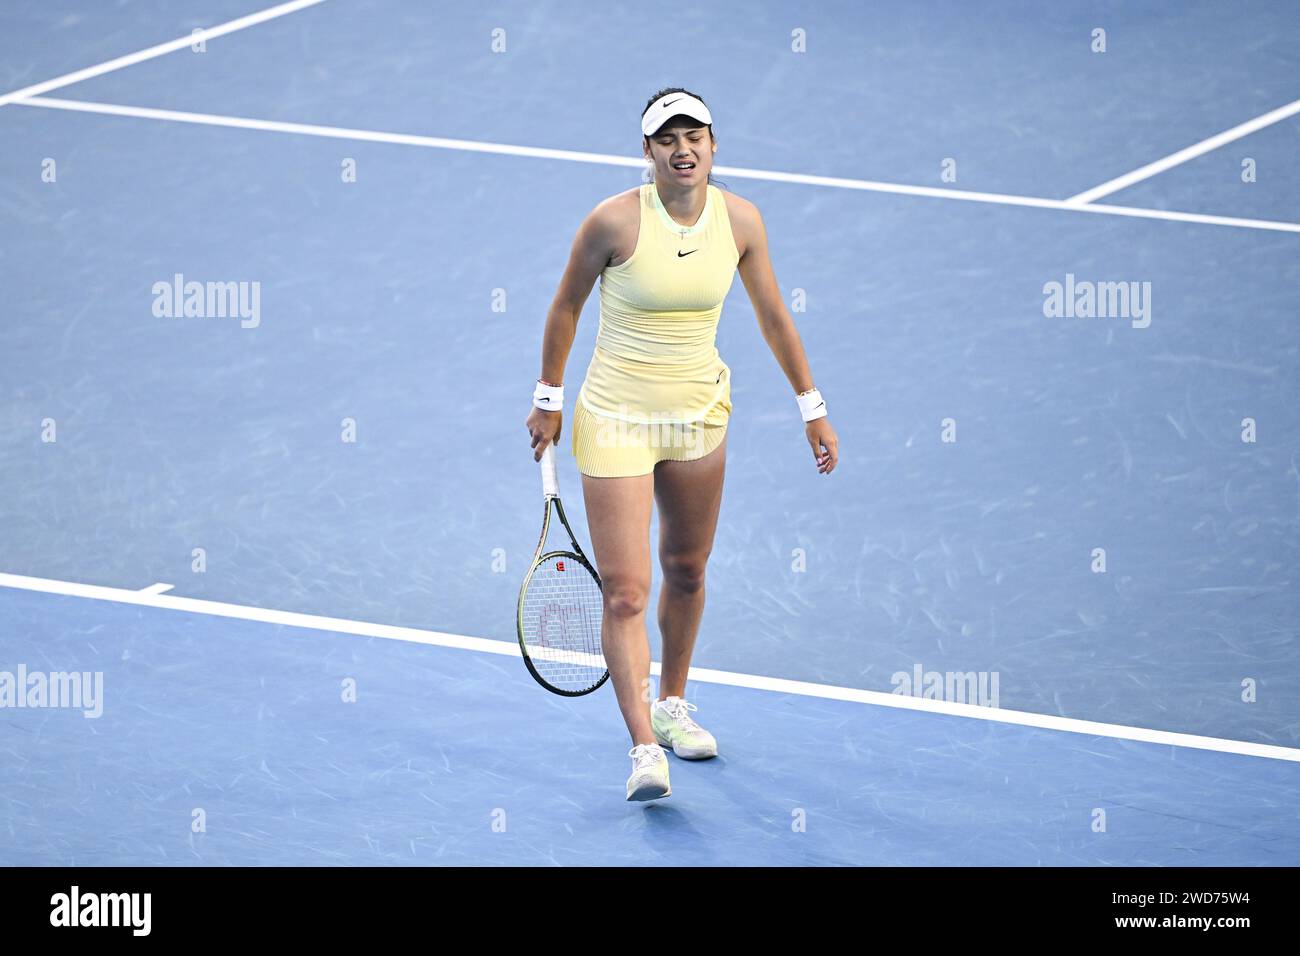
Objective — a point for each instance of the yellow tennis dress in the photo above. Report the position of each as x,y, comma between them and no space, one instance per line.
656,388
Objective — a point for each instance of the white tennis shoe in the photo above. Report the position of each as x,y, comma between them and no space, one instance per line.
673,727
649,780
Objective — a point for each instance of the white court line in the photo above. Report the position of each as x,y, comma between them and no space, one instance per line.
162,49
435,142
1183,155
752,681
158,588
332,132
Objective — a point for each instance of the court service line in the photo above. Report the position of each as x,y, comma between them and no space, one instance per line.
752,681
162,49
436,142
1183,155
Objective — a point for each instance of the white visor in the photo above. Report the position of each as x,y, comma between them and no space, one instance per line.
670,105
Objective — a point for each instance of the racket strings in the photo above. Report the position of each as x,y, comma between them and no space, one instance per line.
561,624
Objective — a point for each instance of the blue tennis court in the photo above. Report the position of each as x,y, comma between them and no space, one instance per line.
285,544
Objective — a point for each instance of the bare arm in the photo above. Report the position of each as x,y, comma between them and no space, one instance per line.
773,317
592,248
775,322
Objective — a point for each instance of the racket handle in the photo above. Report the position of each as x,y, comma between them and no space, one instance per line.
550,478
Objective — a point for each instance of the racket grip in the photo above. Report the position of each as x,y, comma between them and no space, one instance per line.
550,478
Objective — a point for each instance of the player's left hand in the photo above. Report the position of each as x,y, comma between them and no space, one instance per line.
825,444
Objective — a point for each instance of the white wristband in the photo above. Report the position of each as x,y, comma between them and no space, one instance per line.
548,397
812,405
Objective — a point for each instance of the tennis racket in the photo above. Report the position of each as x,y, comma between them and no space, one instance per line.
560,607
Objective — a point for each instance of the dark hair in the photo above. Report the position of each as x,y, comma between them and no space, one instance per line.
677,89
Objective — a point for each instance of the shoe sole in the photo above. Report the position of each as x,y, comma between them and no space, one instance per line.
687,755
643,794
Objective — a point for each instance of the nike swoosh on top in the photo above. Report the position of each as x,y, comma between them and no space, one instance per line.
680,254
671,102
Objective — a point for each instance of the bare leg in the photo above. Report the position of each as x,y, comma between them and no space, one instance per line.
689,495
618,515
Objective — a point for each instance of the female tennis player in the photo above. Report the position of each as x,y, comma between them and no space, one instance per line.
650,421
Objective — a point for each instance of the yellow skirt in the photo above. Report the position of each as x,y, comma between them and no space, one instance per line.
608,448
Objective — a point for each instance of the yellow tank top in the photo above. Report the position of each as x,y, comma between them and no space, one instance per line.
655,358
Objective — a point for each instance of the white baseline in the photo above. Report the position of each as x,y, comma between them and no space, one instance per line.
437,142
755,682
